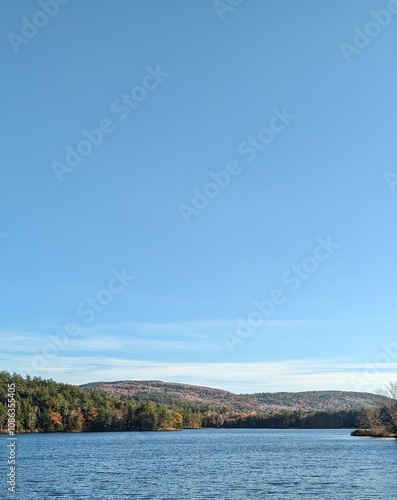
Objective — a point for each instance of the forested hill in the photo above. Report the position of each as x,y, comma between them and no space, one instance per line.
170,393
40,405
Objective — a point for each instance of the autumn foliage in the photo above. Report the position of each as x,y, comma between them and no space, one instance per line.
48,406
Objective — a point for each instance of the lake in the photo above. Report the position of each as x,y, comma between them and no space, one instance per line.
204,464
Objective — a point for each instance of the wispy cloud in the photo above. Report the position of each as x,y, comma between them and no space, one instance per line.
139,336
193,327
283,375
174,351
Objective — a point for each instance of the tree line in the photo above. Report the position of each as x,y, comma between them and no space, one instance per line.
43,405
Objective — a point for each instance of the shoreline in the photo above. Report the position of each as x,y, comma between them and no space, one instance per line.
352,433
373,433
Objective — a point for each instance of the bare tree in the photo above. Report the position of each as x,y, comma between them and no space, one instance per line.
371,419
389,407
389,391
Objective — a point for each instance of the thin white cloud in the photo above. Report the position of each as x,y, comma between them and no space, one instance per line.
195,327
286,375
110,352
135,337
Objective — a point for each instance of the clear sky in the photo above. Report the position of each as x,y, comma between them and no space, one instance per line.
237,158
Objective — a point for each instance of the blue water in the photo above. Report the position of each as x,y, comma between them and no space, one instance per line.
204,464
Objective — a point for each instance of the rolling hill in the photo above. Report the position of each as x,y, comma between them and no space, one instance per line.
170,392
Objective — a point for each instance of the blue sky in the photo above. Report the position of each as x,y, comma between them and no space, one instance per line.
302,128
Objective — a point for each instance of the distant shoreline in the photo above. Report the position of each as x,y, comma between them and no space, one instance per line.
2,432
